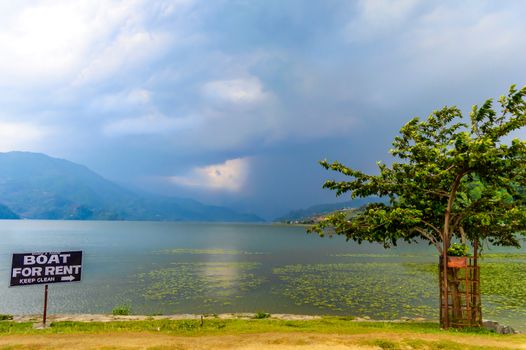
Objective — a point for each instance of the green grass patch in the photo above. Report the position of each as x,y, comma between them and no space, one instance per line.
122,310
260,315
237,326
10,327
420,344
385,344
404,335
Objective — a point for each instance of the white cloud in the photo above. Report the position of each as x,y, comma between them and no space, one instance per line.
445,52
126,51
425,33
155,123
229,176
242,91
83,41
21,136
379,17
449,32
167,8
43,40
124,99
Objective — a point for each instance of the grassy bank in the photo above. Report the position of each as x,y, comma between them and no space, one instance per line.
268,333
231,326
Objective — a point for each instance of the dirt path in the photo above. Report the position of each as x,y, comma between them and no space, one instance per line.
272,341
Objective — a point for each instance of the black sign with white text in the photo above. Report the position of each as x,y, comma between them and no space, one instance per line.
45,268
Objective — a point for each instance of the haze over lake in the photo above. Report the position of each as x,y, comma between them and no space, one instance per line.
167,268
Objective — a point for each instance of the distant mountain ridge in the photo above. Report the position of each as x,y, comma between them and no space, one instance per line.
36,186
6,213
308,214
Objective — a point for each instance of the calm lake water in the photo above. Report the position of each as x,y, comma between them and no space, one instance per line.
167,268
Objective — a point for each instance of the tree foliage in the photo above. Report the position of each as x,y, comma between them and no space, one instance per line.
451,177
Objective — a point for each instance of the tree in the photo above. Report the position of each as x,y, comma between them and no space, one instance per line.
449,179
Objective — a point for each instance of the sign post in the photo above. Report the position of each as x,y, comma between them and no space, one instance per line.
45,306
45,268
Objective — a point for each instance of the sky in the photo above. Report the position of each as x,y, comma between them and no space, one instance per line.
234,102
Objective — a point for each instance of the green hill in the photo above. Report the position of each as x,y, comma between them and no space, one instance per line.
36,186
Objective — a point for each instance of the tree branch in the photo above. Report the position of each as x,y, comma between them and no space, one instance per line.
443,171
462,235
430,237
431,226
452,195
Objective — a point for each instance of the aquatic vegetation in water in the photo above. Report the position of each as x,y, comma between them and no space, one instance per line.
204,282
390,290
375,255
503,287
208,251
379,290
504,280
501,256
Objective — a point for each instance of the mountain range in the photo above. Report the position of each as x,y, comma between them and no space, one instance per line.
36,186
309,214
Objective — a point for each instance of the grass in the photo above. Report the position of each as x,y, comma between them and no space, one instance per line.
235,326
381,335
122,310
260,315
419,344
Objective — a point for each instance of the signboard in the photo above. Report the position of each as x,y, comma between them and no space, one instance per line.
44,268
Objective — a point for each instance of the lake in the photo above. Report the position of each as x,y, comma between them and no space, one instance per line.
168,268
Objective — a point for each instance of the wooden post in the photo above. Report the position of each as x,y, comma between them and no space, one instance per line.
476,285
45,305
445,323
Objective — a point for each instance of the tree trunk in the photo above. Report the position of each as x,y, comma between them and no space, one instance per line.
446,235
454,284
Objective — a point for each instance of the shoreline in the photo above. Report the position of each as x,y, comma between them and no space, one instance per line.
36,319
223,316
